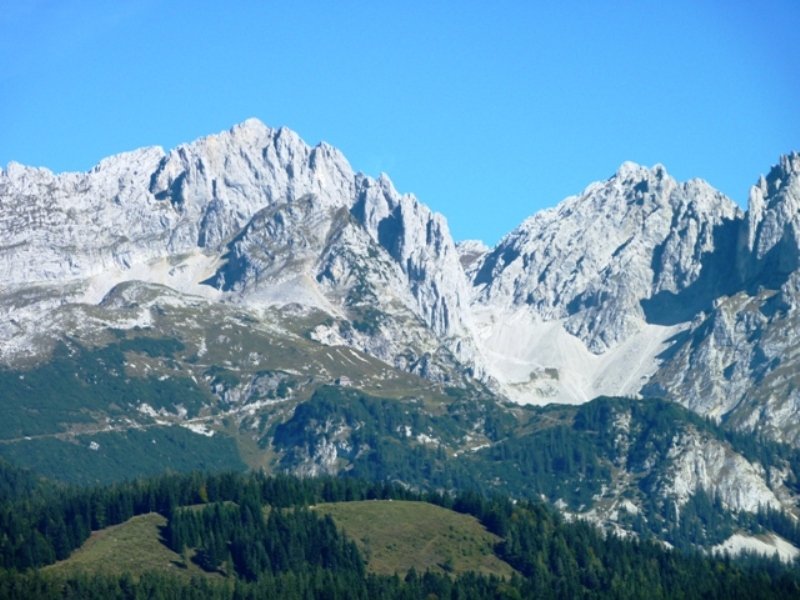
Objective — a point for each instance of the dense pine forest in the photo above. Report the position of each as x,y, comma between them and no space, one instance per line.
261,537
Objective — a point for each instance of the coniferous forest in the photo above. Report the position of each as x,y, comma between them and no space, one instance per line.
261,537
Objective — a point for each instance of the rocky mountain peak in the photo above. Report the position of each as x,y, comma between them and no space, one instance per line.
251,124
784,173
630,171
578,299
589,297
220,181
772,236
252,215
592,259
419,240
15,171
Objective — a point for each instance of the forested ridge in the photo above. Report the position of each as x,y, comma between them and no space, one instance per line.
259,536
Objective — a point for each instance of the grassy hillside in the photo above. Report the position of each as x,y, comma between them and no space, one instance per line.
133,547
298,553
395,536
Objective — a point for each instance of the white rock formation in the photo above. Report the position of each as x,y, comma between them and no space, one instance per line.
640,284
252,215
769,545
699,462
578,277
739,359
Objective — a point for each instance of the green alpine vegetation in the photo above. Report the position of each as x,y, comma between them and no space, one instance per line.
397,536
134,546
251,536
232,395
81,420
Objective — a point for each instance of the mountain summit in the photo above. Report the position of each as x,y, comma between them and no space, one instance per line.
638,284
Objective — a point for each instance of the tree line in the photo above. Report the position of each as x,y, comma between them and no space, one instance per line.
259,532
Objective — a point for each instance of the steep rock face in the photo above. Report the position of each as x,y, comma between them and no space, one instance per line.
219,182
772,237
594,285
62,227
700,463
144,204
592,260
252,215
420,242
639,284
383,316
470,253
738,361
668,464
280,242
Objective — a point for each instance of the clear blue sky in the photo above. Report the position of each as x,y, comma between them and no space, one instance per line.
487,111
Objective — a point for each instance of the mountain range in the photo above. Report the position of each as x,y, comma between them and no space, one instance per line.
304,317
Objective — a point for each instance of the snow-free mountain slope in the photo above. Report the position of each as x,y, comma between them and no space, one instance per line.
639,284
595,257
250,294
771,239
254,213
585,278
739,360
